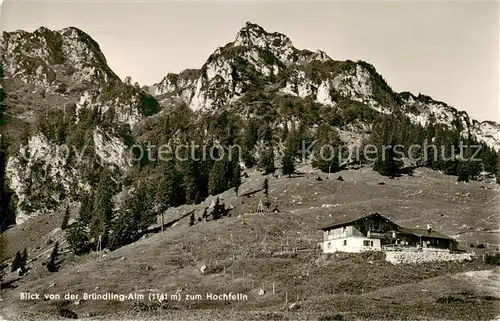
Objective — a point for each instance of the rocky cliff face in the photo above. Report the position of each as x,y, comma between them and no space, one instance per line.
59,91
67,113
258,60
424,110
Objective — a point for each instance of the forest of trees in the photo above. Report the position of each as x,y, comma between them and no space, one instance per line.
440,148
156,185
152,185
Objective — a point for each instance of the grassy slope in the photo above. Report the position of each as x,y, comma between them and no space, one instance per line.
248,245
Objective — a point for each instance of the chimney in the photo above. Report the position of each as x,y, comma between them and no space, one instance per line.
429,228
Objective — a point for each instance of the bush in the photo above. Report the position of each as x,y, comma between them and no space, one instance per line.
331,317
66,313
449,299
17,263
78,239
492,259
53,265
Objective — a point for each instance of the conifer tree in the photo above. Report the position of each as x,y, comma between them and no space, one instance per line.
236,177
102,213
191,180
78,238
387,164
325,153
498,169
53,265
25,257
218,209
218,179
288,165
250,138
266,163
86,208
265,187
7,213
133,219
65,219
191,219
489,159
463,171
383,136
170,191
265,133
17,263
2,253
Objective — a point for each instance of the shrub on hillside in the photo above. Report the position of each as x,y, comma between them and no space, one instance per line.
78,239
492,259
331,317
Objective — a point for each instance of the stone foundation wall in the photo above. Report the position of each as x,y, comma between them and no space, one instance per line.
402,257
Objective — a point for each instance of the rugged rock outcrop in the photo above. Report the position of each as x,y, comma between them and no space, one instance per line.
66,114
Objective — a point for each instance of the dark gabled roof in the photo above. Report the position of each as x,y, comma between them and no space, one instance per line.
402,230
424,232
352,221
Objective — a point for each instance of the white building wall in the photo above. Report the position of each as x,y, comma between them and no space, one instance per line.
341,232
353,244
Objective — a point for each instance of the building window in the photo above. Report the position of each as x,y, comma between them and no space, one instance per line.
345,242
371,243
366,243
329,244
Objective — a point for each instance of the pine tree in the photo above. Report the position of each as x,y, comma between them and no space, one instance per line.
2,253
384,137
125,229
265,187
249,139
191,180
387,164
218,181
53,265
7,213
498,168
102,213
236,178
463,171
325,157
191,219
170,191
266,163
265,133
288,165
25,257
65,220
78,238
218,209
86,208
17,263
133,219
489,159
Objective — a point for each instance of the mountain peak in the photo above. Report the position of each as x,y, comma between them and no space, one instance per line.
252,26
46,56
254,35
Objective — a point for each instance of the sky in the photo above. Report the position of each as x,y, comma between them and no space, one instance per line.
447,50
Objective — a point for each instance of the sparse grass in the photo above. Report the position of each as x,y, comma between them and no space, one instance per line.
243,253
